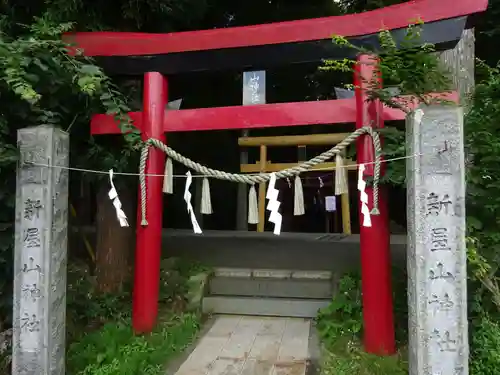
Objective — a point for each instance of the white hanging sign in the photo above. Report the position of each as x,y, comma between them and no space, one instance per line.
331,203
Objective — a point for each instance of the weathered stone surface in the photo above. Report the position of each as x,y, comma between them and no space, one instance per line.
237,345
40,252
197,285
437,293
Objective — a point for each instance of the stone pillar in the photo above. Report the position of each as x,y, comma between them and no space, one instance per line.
437,278
40,252
460,62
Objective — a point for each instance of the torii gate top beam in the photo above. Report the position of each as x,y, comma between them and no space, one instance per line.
275,43
256,116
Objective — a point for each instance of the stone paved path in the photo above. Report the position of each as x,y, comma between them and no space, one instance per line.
247,345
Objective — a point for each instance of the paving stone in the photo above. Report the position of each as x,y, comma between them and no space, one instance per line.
294,347
251,345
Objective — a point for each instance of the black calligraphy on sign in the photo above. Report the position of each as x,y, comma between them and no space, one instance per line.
444,303
253,84
437,204
444,341
32,237
440,273
32,208
31,266
30,322
439,239
31,291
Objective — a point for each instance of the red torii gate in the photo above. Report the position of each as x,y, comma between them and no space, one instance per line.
297,41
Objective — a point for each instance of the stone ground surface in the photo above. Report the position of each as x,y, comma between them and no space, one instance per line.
248,345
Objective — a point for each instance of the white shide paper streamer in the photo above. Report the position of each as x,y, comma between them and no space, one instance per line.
113,195
253,207
365,211
187,199
206,201
168,177
298,198
273,205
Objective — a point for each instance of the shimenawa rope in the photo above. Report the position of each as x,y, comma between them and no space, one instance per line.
262,177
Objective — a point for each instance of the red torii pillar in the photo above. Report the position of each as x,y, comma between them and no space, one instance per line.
153,122
148,249
378,317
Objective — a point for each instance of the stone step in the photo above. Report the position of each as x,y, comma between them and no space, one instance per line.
284,307
271,287
272,273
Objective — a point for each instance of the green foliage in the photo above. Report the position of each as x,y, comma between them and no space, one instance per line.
408,65
115,350
343,316
40,83
348,358
482,134
86,308
89,308
410,71
340,328
485,346
99,333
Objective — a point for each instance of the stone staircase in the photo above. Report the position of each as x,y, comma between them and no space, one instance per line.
267,292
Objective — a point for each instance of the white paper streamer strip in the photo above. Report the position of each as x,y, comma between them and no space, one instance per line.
273,205
113,195
367,222
253,207
340,176
168,178
206,201
187,199
298,198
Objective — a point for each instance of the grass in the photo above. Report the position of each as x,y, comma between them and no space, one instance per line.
347,357
115,350
340,329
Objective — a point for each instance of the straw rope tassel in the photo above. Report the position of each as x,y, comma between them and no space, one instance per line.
168,178
206,202
298,196
340,176
253,208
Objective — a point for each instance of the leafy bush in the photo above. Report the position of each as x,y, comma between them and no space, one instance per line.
115,350
100,334
340,329
485,346
89,309
343,316
482,131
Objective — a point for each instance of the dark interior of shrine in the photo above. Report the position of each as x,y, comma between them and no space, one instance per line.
220,150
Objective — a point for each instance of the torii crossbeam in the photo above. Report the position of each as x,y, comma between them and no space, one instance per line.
263,46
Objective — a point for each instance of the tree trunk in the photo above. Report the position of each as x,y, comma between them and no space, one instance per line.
115,245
